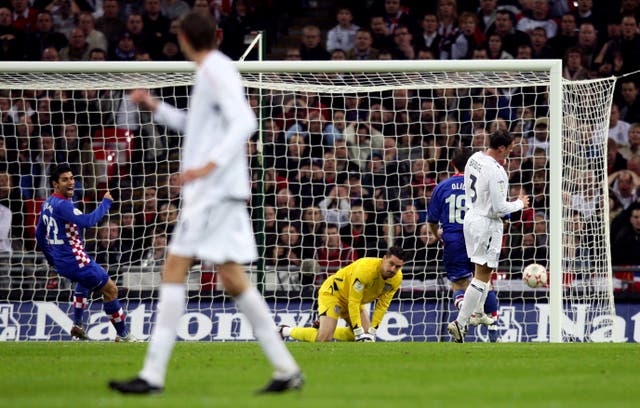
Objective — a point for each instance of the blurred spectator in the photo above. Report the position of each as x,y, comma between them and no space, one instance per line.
468,39
362,49
363,140
336,207
343,35
588,44
629,104
286,206
539,47
625,244
167,219
624,184
109,249
64,13
78,48
540,139
12,209
512,38
567,36
633,148
430,39
142,39
93,37
311,47
34,181
293,54
358,233
573,68
447,23
50,54
539,18
338,55
24,16
288,249
333,254
125,49
494,47
524,51
396,15
428,251
97,54
11,37
110,23
382,38
240,22
132,234
408,239
486,14
44,36
155,26
154,256
313,227
173,9
615,161
618,129
403,40
624,48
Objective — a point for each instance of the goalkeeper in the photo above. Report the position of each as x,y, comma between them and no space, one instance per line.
345,294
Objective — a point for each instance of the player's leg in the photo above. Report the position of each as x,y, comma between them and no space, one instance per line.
171,305
80,298
113,309
287,374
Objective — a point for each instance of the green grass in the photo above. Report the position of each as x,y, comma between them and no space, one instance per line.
74,374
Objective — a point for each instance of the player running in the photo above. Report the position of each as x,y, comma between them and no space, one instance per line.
345,294
59,237
446,210
486,186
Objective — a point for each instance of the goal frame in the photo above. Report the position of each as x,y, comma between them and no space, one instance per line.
552,66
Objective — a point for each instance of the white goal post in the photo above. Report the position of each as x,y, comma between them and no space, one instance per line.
576,114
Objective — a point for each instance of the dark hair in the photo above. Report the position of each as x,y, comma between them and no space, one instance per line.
500,138
460,158
199,30
56,172
395,251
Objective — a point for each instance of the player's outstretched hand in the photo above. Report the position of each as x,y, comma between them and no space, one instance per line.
143,98
108,196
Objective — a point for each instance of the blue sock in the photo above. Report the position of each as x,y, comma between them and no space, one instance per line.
116,315
80,295
491,304
458,296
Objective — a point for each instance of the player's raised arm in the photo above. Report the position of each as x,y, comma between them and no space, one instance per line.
68,212
163,113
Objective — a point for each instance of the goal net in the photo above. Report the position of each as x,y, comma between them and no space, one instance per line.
343,166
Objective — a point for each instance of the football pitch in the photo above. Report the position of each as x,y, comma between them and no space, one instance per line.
75,374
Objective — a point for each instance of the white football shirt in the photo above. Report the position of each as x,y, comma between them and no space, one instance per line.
486,187
216,128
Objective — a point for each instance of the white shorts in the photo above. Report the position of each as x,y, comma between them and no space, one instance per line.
483,239
219,233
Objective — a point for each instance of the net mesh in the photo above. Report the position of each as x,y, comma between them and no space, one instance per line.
343,166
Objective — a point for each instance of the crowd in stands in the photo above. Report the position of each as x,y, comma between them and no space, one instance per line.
339,176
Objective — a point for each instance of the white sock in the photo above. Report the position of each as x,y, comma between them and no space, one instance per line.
472,297
480,308
163,337
252,305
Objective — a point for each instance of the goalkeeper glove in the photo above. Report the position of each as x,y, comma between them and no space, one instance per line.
360,335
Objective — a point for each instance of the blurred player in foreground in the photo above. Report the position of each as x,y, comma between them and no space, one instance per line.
486,186
345,294
59,237
446,210
214,223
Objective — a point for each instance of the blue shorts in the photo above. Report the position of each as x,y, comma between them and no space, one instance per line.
92,276
456,262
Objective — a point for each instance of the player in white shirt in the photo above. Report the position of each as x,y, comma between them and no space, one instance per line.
486,187
214,223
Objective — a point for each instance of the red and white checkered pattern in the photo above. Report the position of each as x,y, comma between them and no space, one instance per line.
76,245
118,316
79,302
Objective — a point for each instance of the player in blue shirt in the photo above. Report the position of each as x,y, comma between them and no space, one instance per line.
445,218
59,237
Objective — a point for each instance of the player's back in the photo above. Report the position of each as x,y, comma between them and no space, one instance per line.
480,172
447,206
63,238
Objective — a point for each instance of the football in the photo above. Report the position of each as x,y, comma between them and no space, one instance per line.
535,275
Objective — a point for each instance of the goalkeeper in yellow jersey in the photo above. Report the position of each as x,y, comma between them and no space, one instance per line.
345,294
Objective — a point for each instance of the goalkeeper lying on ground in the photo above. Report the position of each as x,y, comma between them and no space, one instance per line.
345,294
